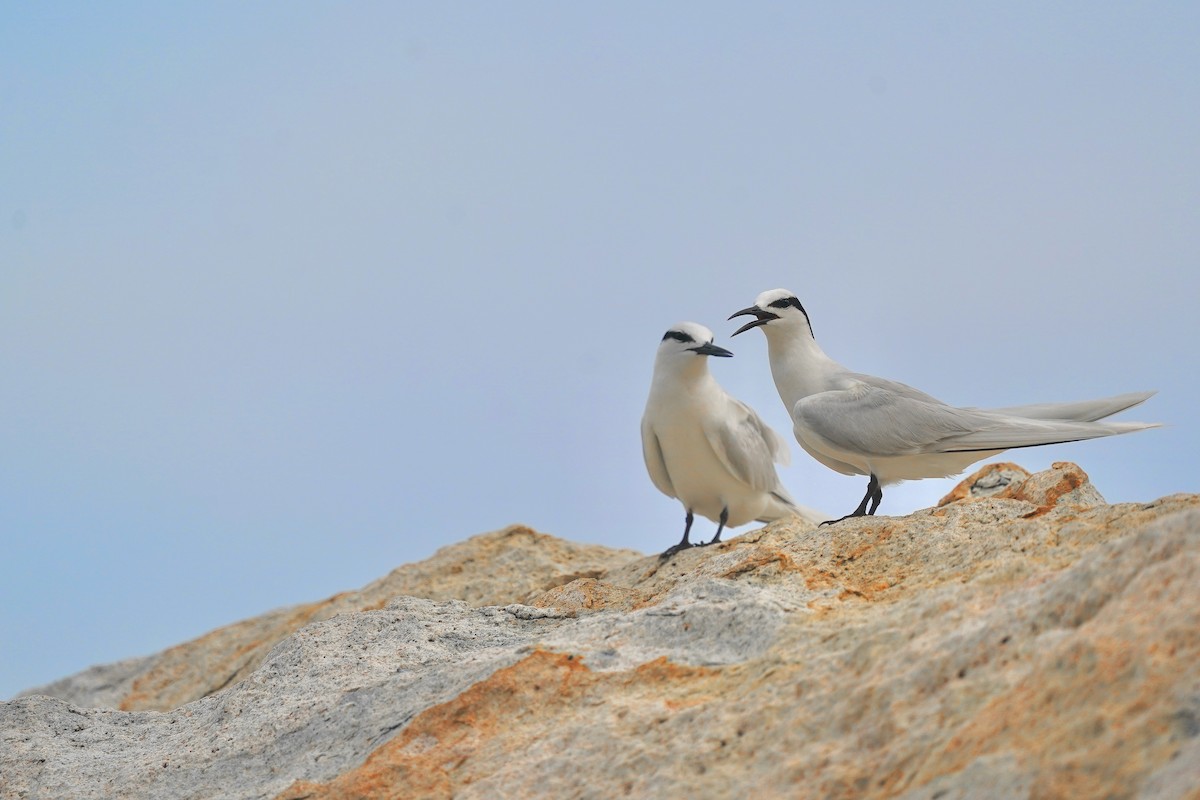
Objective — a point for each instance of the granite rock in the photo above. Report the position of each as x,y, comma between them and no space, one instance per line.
1022,639
505,566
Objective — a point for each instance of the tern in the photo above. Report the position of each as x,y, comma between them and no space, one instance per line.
706,448
859,424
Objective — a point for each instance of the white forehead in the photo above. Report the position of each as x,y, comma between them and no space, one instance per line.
695,329
771,295
687,330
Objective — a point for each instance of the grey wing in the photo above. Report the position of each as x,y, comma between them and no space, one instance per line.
656,465
745,445
776,444
1081,411
876,421
895,387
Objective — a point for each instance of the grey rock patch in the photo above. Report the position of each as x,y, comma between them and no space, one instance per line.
708,623
325,696
1178,778
996,777
101,685
525,612
995,481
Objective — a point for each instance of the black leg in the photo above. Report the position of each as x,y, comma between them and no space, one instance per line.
878,495
720,526
684,544
874,496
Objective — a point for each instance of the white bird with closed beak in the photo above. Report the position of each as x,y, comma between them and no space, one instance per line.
706,448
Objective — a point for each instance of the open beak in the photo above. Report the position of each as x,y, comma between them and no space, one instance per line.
761,318
711,349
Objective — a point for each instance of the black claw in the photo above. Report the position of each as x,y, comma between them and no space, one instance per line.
851,515
670,551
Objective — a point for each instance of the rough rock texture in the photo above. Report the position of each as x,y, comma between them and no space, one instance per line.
507,566
1022,639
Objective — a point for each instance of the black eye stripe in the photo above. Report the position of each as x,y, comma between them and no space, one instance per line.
678,335
784,302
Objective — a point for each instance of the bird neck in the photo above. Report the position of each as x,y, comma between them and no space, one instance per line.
798,364
689,375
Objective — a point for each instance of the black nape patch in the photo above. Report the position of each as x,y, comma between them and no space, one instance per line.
678,335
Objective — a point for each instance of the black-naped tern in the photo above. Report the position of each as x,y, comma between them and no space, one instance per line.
706,448
859,424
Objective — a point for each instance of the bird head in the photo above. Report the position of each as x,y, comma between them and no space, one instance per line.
687,339
777,308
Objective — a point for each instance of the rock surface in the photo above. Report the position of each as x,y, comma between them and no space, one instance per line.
1022,639
507,566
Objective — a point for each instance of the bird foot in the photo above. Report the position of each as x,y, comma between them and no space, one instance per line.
670,551
839,519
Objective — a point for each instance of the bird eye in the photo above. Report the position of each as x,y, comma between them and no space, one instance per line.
784,302
678,336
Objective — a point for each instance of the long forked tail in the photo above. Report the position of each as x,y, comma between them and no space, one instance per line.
1010,432
1082,411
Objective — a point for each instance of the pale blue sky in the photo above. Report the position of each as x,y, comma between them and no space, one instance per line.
293,293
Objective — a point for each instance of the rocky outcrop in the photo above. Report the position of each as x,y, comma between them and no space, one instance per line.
1022,639
507,566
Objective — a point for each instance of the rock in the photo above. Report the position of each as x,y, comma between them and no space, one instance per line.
585,595
491,569
105,685
1062,483
989,480
1030,642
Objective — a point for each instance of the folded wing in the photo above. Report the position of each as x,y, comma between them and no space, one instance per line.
879,422
656,465
746,446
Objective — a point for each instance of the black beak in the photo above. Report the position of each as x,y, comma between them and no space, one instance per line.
763,317
711,349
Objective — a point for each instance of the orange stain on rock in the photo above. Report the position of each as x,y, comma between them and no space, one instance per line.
775,559
507,711
1070,478
1042,489
963,490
